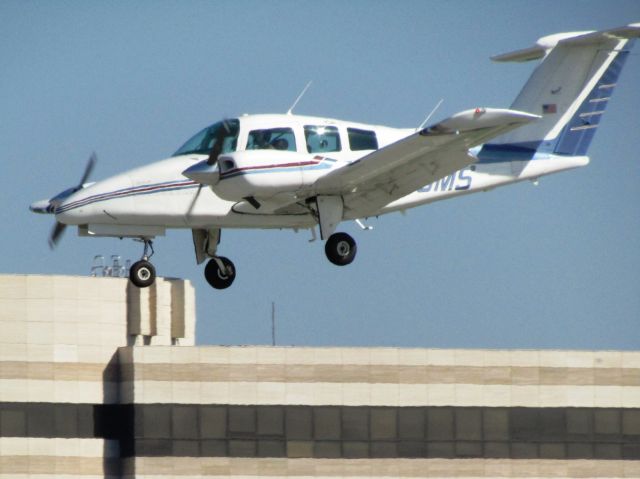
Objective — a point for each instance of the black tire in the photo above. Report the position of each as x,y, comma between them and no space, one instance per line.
217,278
142,274
340,249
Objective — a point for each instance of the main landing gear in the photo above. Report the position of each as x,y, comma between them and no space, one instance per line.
340,249
142,273
220,272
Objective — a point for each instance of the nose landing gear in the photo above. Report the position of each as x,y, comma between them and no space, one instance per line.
142,273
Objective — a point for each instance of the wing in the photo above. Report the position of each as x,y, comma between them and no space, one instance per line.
396,170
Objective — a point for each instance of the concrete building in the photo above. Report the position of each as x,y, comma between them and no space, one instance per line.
100,379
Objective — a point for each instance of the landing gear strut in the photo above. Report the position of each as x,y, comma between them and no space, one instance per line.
220,272
142,273
340,249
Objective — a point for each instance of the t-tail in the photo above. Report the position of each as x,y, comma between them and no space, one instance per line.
570,89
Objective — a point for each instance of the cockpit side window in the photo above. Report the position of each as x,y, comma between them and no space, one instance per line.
202,143
272,139
362,139
322,139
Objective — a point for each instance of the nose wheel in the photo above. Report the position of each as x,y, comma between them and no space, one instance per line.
142,273
340,249
220,272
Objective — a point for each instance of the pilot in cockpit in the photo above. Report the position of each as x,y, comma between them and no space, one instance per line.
280,144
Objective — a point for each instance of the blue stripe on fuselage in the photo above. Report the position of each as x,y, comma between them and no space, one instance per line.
503,153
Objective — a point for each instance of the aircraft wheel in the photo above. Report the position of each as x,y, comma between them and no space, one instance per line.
220,278
340,249
142,274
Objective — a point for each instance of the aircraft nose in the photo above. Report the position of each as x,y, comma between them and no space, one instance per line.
42,207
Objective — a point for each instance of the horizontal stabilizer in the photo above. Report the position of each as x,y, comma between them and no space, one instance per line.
546,44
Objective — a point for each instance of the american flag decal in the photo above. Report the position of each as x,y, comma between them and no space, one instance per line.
549,108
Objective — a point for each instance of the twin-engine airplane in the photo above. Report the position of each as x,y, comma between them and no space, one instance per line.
290,171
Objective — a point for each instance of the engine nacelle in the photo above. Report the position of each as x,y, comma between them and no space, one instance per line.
265,173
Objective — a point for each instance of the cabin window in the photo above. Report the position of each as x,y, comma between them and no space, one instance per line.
362,139
272,139
225,132
321,139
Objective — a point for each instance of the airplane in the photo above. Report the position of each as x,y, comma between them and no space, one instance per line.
302,172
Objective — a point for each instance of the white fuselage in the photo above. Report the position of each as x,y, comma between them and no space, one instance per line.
142,202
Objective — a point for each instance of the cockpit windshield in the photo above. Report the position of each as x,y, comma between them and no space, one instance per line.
225,132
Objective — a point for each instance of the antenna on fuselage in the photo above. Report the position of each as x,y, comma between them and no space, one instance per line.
430,115
289,112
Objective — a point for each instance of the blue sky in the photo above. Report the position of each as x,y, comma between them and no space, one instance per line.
552,266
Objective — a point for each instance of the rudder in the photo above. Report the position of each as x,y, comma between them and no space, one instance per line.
576,136
570,89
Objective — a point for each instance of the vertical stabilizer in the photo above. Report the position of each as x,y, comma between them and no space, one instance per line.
570,89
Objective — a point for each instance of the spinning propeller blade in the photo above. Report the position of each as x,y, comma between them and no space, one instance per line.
216,149
195,198
88,169
58,228
56,234
217,144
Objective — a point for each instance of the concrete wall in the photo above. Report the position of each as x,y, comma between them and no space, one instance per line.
382,377
380,412
22,457
59,377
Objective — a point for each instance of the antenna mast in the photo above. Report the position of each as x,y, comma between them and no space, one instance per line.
430,115
299,97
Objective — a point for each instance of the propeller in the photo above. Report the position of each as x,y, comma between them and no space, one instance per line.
215,152
217,144
56,233
56,201
88,169
195,198
201,172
